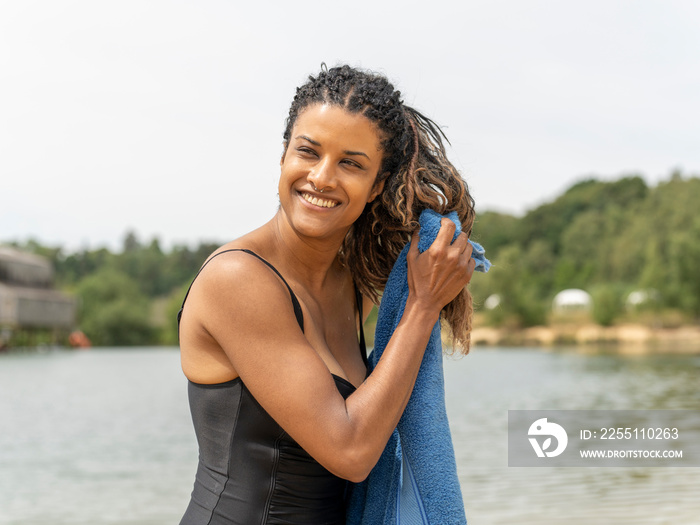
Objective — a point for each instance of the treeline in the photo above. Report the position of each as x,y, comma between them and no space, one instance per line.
126,298
607,238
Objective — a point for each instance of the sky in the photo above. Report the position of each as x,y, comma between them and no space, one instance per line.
165,117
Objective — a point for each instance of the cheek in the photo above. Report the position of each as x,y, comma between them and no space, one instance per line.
364,193
289,169
376,188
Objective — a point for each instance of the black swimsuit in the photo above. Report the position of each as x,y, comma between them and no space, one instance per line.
250,470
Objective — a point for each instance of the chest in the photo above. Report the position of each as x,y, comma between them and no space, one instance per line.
331,327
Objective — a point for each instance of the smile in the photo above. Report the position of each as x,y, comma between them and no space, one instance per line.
323,203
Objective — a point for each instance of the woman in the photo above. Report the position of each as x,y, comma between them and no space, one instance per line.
282,405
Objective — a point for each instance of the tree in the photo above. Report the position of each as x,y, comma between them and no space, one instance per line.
112,310
510,277
498,228
169,334
608,303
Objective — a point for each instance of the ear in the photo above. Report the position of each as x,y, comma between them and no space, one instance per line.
377,189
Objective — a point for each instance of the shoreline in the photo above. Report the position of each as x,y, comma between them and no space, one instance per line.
627,338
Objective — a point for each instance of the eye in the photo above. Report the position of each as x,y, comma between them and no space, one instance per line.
351,163
306,151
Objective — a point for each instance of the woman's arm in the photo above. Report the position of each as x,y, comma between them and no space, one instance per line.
248,312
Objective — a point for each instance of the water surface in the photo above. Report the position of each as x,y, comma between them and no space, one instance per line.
105,437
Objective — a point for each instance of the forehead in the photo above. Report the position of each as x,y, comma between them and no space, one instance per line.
333,125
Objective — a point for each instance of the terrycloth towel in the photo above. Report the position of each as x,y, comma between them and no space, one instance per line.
415,480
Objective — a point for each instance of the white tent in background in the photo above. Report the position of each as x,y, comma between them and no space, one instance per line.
492,301
641,297
572,299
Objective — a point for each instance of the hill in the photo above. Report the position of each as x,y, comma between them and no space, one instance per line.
608,238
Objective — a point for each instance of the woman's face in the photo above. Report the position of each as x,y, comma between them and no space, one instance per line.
335,151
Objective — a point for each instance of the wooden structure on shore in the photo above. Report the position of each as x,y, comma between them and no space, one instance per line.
28,300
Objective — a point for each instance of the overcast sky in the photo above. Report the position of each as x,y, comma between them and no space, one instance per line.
166,117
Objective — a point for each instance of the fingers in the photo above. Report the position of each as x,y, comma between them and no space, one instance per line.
440,273
443,240
471,265
465,264
413,250
463,245
446,232
459,251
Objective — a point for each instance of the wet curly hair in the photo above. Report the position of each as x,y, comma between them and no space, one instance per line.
416,172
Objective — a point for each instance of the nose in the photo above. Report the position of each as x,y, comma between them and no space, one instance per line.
322,175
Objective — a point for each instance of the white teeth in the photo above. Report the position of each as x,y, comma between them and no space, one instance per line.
319,202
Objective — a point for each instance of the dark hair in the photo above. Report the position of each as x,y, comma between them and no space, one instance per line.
416,172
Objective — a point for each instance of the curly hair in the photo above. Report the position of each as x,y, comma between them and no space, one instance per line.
416,172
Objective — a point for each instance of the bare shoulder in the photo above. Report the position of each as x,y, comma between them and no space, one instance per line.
234,264
233,281
236,304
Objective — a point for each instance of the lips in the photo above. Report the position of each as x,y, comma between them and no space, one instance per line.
316,201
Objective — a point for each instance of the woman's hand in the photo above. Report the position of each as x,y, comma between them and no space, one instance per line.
436,276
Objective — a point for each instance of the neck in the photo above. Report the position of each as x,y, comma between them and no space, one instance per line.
310,260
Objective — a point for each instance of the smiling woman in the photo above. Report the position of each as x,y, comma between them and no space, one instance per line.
283,407
331,162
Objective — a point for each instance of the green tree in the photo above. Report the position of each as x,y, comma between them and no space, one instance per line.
684,251
548,222
673,244
521,303
608,303
170,330
498,229
113,311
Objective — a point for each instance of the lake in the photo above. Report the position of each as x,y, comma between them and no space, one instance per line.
105,437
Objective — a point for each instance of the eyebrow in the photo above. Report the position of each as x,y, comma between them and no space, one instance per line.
346,152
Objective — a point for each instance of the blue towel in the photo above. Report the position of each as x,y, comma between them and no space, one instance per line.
415,480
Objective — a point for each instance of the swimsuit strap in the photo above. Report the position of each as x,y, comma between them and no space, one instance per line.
295,302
